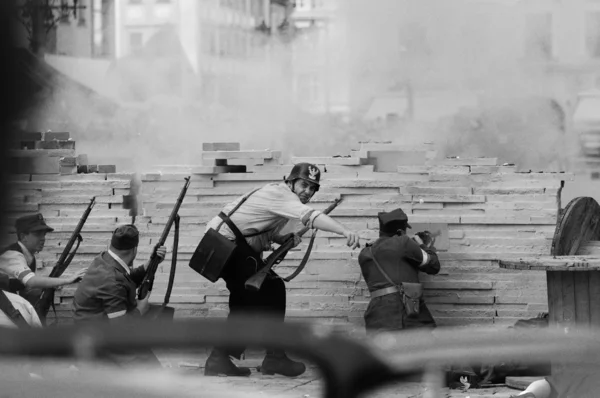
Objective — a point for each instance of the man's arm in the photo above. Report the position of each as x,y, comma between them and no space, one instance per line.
138,273
14,265
115,298
326,223
424,256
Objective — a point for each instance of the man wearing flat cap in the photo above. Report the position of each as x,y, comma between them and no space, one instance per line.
391,267
108,290
17,261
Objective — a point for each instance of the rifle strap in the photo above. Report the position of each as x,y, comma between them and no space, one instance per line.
11,312
240,240
234,210
304,259
173,261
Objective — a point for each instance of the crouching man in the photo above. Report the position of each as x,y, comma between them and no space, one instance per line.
108,290
391,267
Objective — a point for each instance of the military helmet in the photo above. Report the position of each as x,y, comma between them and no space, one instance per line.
307,172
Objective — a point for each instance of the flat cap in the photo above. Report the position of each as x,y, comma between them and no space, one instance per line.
393,220
32,223
125,237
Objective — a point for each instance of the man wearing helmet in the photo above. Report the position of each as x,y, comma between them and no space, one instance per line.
260,219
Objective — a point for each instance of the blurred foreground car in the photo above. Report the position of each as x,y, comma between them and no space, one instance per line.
350,367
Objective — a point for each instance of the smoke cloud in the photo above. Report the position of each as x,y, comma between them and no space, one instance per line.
475,91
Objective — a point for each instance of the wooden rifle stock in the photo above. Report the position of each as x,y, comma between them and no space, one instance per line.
255,281
148,281
46,299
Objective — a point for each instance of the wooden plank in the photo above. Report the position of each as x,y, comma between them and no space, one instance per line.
555,302
582,299
553,263
594,289
568,298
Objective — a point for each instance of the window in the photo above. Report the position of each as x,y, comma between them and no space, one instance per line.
81,12
592,34
136,40
538,35
64,11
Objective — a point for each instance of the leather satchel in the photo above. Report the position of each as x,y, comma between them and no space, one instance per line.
215,251
212,255
410,293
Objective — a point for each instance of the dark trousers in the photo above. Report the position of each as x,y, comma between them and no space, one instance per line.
387,313
269,301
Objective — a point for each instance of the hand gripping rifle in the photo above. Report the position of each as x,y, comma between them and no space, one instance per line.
255,281
46,300
148,281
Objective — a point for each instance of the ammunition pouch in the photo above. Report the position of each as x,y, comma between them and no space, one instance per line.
411,294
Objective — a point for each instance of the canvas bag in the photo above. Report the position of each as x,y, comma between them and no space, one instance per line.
410,293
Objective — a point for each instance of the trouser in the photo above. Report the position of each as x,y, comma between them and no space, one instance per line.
387,313
268,301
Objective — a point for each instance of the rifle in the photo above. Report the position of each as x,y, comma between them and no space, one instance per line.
46,299
255,281
148,281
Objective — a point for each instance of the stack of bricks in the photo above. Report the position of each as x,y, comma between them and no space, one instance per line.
484,210
50,153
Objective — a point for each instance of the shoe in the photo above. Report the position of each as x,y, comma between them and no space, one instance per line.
219,364
276,362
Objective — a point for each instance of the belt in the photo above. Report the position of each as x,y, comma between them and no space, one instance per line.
385,291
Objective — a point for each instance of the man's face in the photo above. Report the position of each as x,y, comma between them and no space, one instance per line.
304,190
34,241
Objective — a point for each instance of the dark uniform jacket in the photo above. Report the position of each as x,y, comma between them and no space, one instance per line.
402,259
107,291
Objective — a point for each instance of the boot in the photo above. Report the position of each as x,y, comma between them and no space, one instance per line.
278,362
219,363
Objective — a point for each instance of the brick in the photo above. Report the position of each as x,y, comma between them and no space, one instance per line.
88,168
459,161
55,144
355,183
68,161
248,177
35,165
416,190
508,191
41,153
29,136
74,177
56,135
107,168
319,161
459,285
449,198
239,154
82,160
18,177
218,169
448,170
68,170
492,169
220,146
413,170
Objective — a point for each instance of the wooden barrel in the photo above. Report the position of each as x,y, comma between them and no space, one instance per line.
574,297
578,223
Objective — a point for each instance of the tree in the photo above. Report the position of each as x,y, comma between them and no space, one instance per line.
40,16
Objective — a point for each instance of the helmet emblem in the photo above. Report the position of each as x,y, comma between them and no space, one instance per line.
312,172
